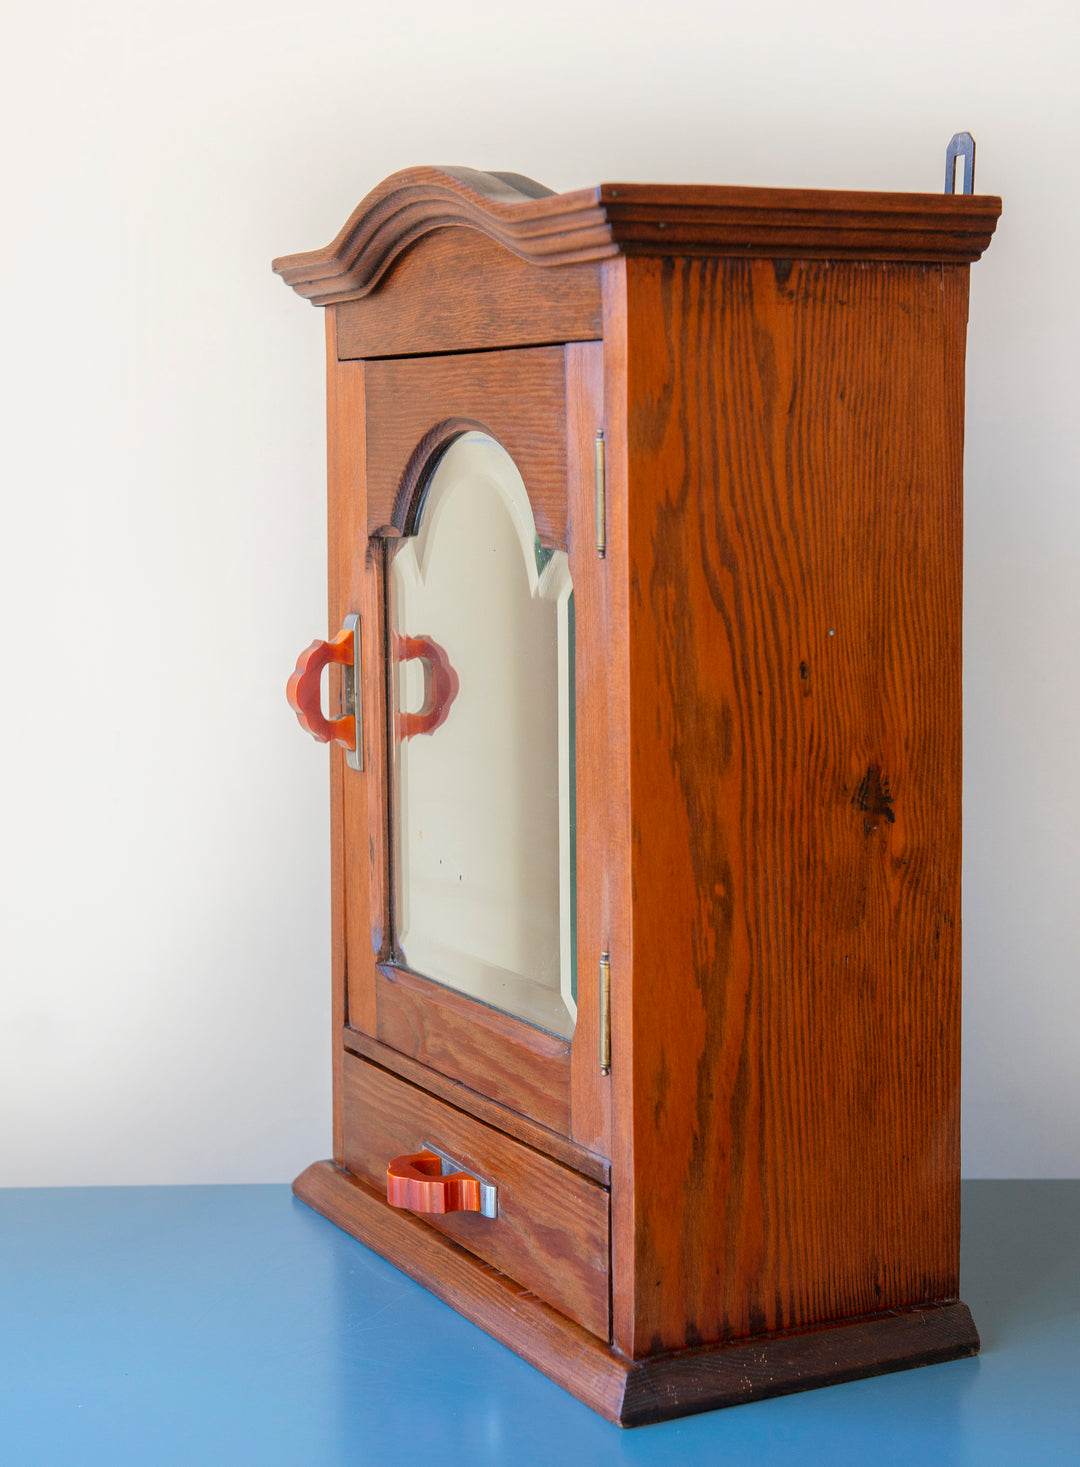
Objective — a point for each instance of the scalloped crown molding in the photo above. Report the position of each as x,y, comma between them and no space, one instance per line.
550,229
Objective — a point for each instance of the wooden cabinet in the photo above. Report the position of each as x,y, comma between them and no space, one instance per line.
645,537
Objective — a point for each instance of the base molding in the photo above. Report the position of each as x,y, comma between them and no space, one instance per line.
634,1392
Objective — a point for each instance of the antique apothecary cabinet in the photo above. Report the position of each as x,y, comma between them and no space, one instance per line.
645,619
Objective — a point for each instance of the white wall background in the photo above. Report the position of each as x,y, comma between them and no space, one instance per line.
164,1009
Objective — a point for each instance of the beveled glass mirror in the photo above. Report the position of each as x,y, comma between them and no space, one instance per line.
482,699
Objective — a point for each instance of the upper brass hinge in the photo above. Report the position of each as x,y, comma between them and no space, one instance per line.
601,496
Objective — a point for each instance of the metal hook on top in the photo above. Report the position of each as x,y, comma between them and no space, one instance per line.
961,147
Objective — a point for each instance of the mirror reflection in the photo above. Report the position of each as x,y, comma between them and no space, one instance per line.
482,676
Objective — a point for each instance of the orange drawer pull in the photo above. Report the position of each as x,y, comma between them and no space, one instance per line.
304,692
418,1182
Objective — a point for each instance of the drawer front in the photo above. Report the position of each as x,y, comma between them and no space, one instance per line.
551,1234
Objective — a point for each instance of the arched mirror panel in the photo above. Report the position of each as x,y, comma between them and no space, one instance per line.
482,707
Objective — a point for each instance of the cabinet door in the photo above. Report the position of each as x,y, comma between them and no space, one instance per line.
482,612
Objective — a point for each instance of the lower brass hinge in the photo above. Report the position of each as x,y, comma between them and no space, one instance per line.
605,1013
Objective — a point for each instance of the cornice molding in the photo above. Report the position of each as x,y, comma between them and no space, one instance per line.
550,229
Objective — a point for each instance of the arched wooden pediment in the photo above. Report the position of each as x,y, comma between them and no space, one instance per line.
517,213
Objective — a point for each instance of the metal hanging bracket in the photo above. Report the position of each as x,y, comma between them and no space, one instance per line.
960,157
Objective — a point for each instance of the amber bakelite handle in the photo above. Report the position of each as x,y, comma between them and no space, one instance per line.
440,685
303,690
414,1182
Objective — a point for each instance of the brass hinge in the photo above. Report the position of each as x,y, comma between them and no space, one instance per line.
605,1013
601,497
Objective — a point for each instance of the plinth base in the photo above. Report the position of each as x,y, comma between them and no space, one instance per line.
634,1392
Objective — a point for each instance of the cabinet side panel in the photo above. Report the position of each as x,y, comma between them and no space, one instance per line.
795,439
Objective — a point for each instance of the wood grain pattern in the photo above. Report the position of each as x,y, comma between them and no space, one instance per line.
376,912
653,219
702,1380
530,222
457,290
335,485
513,1063
619,908
625,1392
462,1097
804,224
551,1233
506,1309
795,783
595,778
354,587
346,575
416,405
520,396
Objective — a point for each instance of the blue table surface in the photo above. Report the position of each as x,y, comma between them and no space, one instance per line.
206,1325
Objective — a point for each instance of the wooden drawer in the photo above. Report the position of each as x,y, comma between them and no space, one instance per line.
551,1233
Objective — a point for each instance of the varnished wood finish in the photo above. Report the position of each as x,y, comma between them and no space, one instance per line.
598,785
336,508
522,398
373,920
360,857
796,223
540,1138
522,216
502,1306
794,565
551,1233
633,219
626,1392
518,397
514,1063
619,925
457,290
707,1378
346,578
